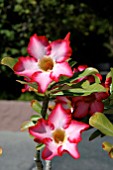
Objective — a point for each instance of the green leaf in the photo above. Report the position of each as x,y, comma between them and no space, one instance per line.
9,61
88,71
102,123
33,85
26,125
40,146
85,90
95,134
35,118
36,106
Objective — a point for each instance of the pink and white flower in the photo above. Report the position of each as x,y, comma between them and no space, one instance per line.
48,61
59,133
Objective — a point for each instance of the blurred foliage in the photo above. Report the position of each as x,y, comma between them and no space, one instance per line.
89,22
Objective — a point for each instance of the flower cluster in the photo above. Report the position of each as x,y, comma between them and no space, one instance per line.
72,99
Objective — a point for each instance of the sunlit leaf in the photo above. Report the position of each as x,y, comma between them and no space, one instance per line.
40,146
88,71
35,118
102,123
33,85
9,61
36,106
26,125
85,90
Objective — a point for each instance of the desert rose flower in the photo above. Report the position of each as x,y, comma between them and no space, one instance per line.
88,105
47,62
59,133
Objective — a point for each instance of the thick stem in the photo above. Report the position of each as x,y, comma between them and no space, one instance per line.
45,106
38,161
43,113
48,165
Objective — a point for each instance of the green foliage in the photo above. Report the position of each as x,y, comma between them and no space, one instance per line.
100,122
20,19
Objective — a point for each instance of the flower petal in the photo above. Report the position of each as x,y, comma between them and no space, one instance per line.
61,69
60,50
43,79
71,148
73,132
37,46
81,109
101,96
60,117
96,106
50,150
41,130
26,66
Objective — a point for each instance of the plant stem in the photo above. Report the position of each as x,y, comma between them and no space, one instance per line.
48,165
45,106
37,158
38,161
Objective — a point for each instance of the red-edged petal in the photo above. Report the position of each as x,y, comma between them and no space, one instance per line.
70,148
43,79
73,132
61,69
26,66
60,117
81,109
96,106
41,130
67,37
82,67
37,46
50,150
60,50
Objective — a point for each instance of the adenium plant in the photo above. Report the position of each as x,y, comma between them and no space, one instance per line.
70,99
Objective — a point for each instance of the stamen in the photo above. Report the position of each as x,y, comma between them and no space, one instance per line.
46,63
59,135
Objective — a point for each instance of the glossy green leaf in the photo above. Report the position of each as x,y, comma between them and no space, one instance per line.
102,123
26,125
94,135
9,61
33,85
35,118
88,71
40,146
36,106
85,90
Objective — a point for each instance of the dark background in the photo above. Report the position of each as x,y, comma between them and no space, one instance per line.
90,23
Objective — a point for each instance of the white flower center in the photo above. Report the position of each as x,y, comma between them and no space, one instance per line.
46,63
